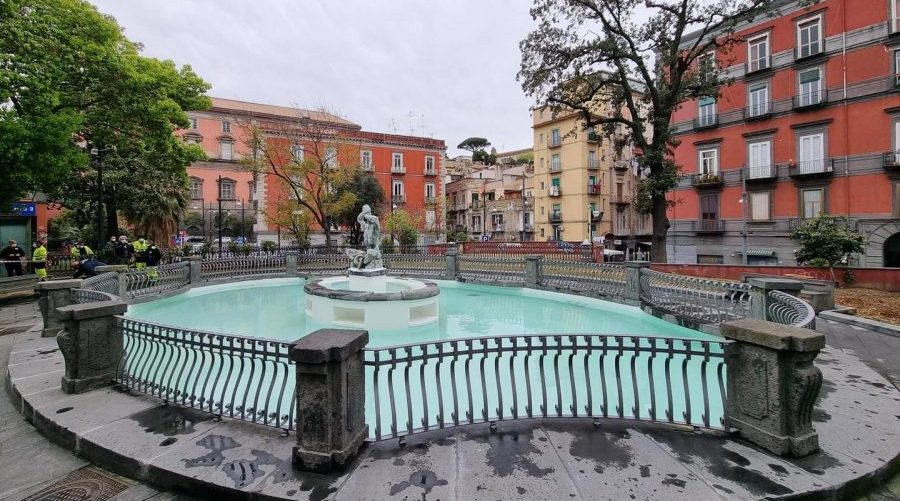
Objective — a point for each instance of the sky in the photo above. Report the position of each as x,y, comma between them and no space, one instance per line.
436,68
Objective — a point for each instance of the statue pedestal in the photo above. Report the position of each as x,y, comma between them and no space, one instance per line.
368,279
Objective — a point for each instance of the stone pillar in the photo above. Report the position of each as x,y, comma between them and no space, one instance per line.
120,269
759,293
330,398
773,384
291,261
633,281
196,272
91,344
52,295
533,270
452,271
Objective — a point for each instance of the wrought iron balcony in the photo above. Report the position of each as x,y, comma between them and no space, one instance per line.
369,167
555,217
761,173
430,172
554,191
476,204
555,168
708,180
812,168
706,121
398,199
810,51
528,228
620,199
593,189
555,142
499,227
398,169
751,67
593,164
891,161
430,201
621,165
709,226
758,111
810,100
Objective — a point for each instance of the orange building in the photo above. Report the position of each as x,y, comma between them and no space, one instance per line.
408,168
810,124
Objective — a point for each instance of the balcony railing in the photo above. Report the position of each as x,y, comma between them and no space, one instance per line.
398,169
593,189
529,228
706,121
499,227
621,165
709,226
813,168
810,100
620,199
762,64
555,142
368,167
398,199
430,201
476,204
894,26
555,168
430,172
891,160
808,51
761,173
593,164
708,180
758,111
554,191
555,217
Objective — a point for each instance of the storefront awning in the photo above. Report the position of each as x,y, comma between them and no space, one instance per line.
756,251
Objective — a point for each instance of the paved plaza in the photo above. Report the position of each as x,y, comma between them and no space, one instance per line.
188,451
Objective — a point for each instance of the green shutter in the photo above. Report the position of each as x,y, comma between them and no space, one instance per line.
707,101
555,181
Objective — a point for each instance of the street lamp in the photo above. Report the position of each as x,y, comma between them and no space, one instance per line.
98,154
745,202
219,199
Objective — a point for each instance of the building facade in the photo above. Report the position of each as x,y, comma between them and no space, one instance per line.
810,125
408,168
492,203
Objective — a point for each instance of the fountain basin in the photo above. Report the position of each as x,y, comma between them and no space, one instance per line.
386,303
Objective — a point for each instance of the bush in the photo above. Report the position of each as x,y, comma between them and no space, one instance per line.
269,246
246,249
187,249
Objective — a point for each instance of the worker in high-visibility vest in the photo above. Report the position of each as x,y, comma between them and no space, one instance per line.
140,253
80,251
40,260
153,258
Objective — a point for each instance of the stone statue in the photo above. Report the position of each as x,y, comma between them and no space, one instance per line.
371,257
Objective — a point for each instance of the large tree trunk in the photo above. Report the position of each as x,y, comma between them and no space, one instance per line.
660,228
327,228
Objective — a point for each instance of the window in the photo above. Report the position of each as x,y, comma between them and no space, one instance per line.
759,206
397,161
759,159
541,135
226,150
556,211
429,164
191,139
226,127
196,188
331,157
555,139
592,159
193,123
709,161
810,87
397,189
526,218
809,37
811,153
226,189
555,164
365,159
707,112
813,202
709,212
896,188
895,16
476,223
429,190
298,153
897,66
706,67
758,54
758,99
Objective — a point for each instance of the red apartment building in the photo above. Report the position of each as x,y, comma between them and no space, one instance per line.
407,167
811,124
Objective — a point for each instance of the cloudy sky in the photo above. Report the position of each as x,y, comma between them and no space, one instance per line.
448,64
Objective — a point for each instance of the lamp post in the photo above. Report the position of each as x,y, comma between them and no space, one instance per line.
745,202
243,238
219,215
98,153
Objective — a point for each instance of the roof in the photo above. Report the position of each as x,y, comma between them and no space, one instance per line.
222,104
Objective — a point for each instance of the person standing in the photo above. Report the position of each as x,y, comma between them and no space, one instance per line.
12,256
153,257
108,252
140,253
124,251
40,260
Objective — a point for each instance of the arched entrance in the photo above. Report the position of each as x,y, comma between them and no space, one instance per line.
892,251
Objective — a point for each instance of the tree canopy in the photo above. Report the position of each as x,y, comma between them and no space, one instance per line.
73,83
627,75
366,190
474,144
827,240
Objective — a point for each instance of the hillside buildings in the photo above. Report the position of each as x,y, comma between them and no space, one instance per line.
492,202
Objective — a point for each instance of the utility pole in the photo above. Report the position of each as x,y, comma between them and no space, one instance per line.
98,153
219,215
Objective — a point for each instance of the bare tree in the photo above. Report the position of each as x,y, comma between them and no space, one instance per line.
628,76
310,157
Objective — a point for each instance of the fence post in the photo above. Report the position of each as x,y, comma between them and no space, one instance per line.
195,263
759,294
534,270
121,269
291,261
330,398
452,271
773,384
633,281
91,344
52,295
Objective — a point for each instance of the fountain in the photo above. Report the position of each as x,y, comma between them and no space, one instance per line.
367,297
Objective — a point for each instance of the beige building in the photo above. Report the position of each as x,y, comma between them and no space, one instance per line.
492,203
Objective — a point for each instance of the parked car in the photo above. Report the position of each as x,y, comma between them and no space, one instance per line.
195,242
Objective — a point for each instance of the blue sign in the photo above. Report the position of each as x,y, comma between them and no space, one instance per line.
23,209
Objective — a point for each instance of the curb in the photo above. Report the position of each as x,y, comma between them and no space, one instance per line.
873,325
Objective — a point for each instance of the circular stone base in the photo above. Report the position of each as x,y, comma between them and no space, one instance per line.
404,303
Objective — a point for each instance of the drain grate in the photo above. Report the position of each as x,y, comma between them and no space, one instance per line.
87,484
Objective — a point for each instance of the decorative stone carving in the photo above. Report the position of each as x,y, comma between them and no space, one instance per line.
91,344
371,257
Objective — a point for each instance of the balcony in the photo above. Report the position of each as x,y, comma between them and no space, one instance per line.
809,100
499,227
476,204
555,168
620,199
753,67
894,26
593,164
593,137
430,172
398,199
809,52
706,121
554,191
369,167
430,201
891,161
709,226
761,173
398,169
528,228
621,165
555,142
708,180
758,111
593,189
812,168
555,217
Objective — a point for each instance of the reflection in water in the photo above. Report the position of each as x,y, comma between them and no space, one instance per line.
274,309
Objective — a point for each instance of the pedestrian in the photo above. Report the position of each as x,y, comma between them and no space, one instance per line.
124,251
108,253
12,255
153,256
79,253
40,260
88,267
140,253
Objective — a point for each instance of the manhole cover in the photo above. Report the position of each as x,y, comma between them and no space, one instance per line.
86,484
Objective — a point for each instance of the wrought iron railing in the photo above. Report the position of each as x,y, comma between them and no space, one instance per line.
237,377
106,282
607,279
492,270
225,268
84,296
153,280
416,265
708,301
790,310
420,387
323,264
